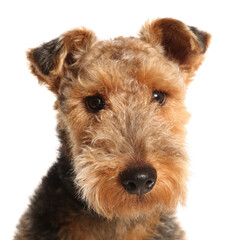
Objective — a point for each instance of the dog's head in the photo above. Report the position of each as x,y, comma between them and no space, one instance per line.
121,104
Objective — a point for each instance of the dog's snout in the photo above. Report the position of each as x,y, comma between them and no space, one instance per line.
139,181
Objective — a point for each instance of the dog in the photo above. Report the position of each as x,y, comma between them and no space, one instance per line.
122,167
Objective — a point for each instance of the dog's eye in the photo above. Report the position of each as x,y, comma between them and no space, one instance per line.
159,97
94,103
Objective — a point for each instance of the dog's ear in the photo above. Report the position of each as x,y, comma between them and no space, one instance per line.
181,43
50,61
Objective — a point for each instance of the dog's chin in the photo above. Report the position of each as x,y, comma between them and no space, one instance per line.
133,214
131,208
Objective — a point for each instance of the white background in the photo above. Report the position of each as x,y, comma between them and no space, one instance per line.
28,141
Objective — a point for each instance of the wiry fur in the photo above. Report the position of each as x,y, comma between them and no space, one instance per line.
82,196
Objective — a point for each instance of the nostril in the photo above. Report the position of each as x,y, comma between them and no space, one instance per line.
129,186
149,184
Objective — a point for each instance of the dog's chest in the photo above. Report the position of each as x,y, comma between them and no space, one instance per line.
84,228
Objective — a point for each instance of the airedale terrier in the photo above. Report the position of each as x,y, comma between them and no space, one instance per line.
123,167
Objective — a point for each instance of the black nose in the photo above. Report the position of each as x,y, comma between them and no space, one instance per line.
138,180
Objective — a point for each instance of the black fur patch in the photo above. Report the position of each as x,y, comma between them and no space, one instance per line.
53,203
169,229
46,56
201,37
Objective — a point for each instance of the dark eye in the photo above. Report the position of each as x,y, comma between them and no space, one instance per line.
94,103
159,97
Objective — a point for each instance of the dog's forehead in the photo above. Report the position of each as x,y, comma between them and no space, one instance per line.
125,59
125,49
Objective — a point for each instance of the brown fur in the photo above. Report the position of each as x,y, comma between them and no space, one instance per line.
131,130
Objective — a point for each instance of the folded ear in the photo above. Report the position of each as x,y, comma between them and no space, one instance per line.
50,61
181,43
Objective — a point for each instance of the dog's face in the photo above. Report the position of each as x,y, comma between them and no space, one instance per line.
121,103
